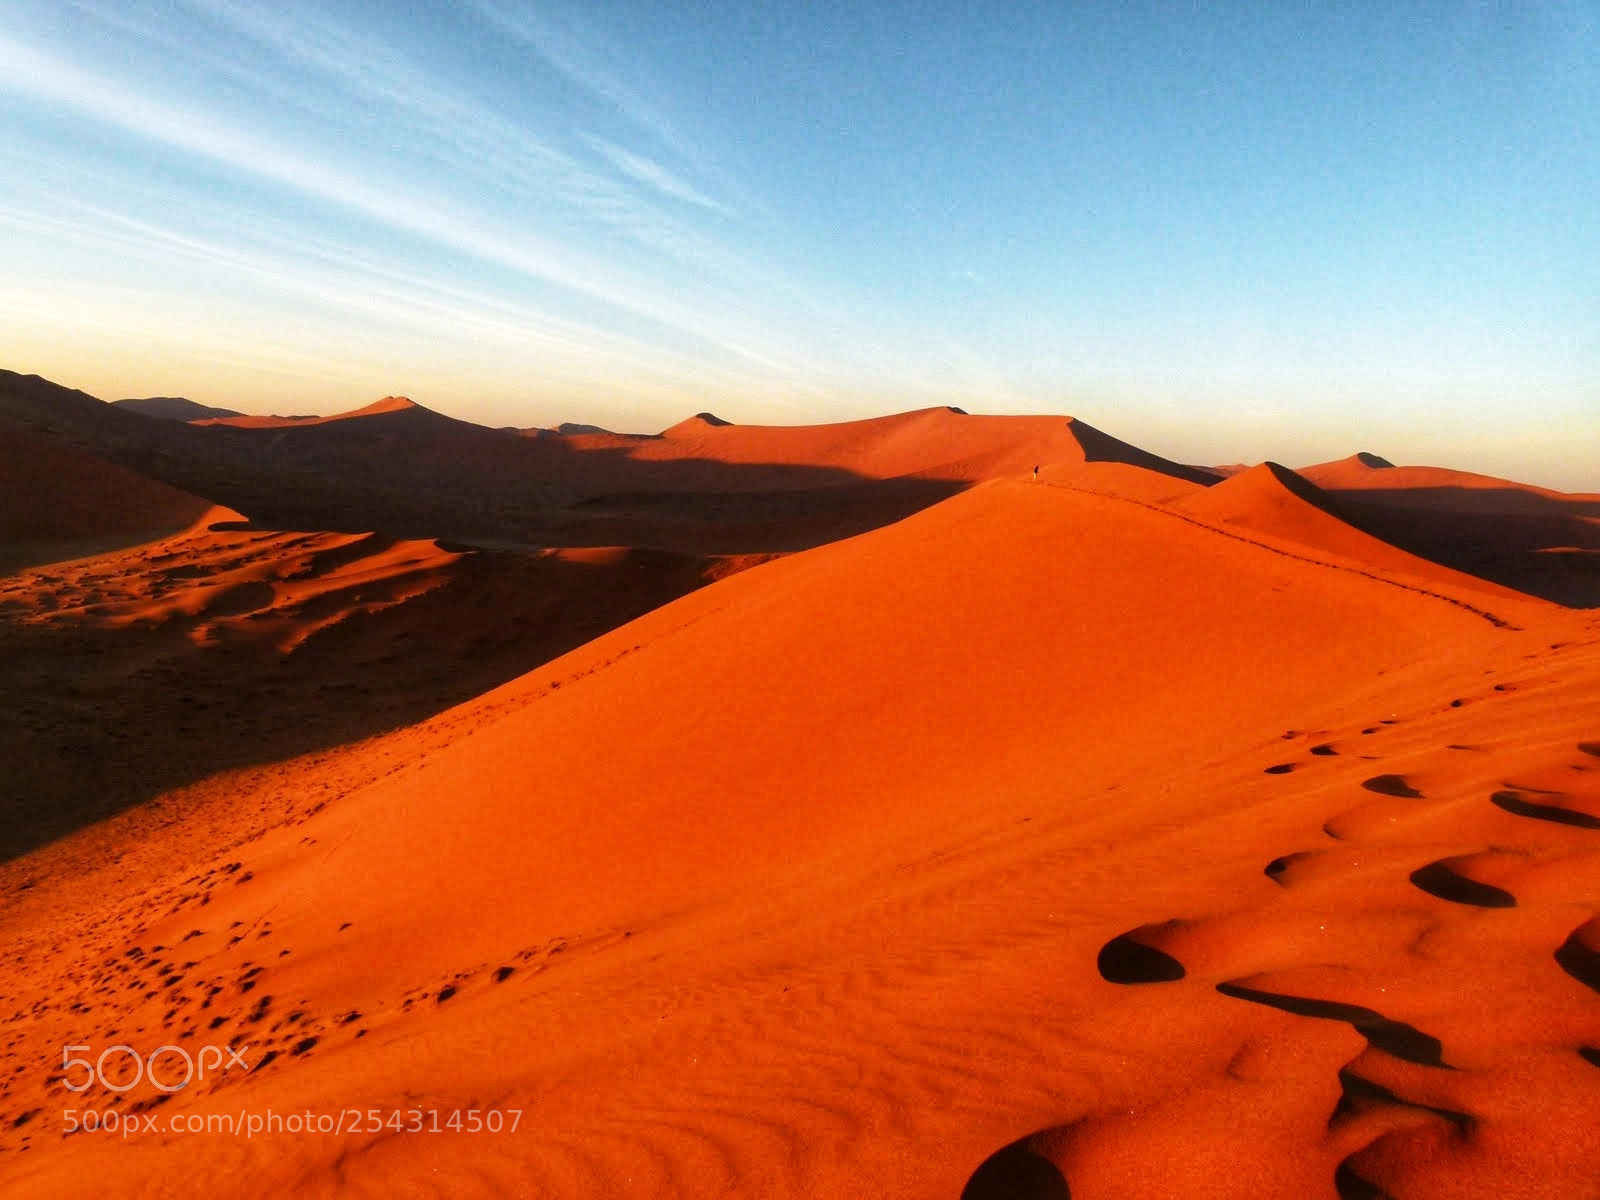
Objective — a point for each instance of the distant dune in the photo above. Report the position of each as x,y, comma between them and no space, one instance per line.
1524,537
255,421
941,443
1272,500
1437,487
388,406
700,488
175,408
1117,828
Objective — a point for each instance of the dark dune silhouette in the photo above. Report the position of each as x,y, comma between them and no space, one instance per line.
175,408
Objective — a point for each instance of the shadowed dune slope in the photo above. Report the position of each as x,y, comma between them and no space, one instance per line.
1272,500
128,674
796,886
57,503
1538,541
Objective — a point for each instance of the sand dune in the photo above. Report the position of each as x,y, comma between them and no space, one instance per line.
1123,833
804,884
706,487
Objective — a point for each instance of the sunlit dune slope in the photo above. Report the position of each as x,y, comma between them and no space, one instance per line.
1063,613
1120,479
834,878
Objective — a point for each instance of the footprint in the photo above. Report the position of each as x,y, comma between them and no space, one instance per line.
1382,1033
1441,879
1278,867
1382,822
1125,959
1515,803
1392,785
1339,866
1350,1186
1016,1173
1579,957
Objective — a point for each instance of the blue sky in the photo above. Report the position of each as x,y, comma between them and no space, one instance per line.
1224,231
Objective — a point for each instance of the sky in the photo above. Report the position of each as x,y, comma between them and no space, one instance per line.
1226,232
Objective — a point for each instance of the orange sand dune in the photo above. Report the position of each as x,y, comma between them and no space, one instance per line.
707,485
388,405
1043,819
940,443
1438,487
258,421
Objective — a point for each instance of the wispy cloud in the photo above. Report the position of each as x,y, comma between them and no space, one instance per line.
340,168
64,84
567,48
560,45
654,175
346,288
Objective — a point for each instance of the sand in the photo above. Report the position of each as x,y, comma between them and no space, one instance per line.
1110,835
